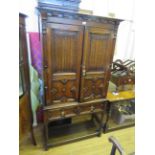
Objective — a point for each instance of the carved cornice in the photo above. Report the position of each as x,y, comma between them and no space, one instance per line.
116,29
79,16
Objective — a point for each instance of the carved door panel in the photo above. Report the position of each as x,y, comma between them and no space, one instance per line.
96,63
64,50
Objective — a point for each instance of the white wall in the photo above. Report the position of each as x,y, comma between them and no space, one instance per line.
125,41
123,9
28,8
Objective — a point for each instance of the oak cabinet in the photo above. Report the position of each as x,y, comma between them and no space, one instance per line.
76,62
77,55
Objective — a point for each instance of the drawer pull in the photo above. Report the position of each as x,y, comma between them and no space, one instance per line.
77,111
62,114
92,108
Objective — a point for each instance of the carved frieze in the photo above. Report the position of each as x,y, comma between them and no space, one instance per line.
64,81
54,91
94,88
82,17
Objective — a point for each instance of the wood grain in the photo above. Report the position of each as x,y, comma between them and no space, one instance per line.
78,51
64,48
96,61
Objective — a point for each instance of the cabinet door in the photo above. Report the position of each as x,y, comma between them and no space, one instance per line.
63,57
98,52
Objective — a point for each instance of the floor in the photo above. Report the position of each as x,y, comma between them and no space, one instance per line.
91,146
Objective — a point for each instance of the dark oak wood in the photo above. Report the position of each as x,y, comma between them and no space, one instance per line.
95,65
73,110
64,49
25,110
77,55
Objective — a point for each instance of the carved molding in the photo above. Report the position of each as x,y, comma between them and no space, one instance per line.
44,24
63,90
92,96
86,18
115,30
54,91
64,81
94,88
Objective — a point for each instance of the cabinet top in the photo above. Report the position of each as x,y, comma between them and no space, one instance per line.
70,14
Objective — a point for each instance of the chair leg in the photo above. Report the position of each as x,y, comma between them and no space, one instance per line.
45,135
113,150
116,145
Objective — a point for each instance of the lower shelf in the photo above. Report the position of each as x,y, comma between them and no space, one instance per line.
72,131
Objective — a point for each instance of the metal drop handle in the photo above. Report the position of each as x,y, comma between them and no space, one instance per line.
62,114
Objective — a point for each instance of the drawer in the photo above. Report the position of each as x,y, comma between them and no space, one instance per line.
91,108
58,113
80,109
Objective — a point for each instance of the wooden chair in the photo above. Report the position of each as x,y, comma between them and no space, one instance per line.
116,146
123,73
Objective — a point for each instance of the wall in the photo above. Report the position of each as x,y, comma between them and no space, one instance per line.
121,9
28,7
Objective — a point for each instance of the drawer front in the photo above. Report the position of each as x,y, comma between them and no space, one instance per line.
92,108
61,113
58,113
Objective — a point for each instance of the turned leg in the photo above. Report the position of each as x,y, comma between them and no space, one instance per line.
101,124
45,135
92,117
32,136
108,106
